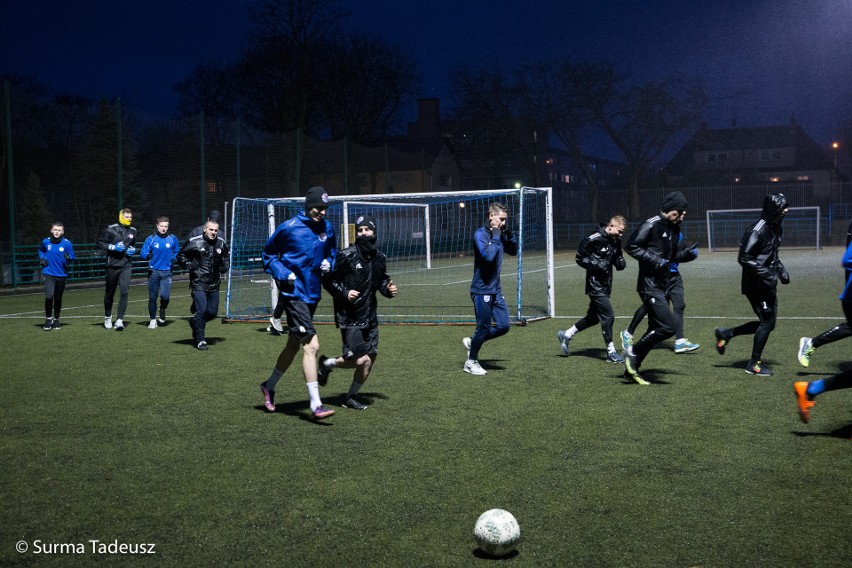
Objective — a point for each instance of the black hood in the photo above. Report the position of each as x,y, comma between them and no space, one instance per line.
774,205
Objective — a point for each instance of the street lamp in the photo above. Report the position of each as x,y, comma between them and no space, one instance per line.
835,145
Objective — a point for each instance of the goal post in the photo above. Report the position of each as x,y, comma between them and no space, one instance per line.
428,241
725,227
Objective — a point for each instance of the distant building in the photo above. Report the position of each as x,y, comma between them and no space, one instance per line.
770,154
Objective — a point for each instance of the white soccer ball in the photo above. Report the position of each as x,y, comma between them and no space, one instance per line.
497,532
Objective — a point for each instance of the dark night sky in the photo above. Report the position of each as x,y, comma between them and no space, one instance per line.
795,57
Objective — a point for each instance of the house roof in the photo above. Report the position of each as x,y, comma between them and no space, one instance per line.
809,155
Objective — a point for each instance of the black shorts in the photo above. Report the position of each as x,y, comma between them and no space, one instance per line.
358,342
300,318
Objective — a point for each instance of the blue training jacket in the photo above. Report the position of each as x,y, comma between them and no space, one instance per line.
298,246
57,255
161,250
488,259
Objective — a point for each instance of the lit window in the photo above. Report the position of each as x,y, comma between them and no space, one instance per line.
212,187
803,178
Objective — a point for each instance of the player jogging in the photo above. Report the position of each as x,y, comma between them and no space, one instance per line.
762,270
489,243
597,254
655,244
54,253
162,249
296,255
359,272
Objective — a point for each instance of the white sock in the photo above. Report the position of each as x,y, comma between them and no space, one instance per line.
331,363
273,379
571,331
610,348
354,388
313,392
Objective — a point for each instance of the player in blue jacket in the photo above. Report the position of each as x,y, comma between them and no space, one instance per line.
296,255
162,249
489,243
54,254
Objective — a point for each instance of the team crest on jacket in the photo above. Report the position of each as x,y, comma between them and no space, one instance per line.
487,298
323,237
218,251
665,234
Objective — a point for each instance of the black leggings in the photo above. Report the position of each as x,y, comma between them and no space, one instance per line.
54,287
841,330
117,278
766,309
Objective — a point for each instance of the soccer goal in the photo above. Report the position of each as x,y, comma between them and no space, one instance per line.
428,241
725,227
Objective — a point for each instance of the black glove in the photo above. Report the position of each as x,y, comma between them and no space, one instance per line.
783,275
43,262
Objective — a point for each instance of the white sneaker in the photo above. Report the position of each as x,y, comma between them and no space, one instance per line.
473,367
466,343
108,322
119,325
276,324
153,324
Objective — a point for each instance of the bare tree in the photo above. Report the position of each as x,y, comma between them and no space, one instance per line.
490,111
367,83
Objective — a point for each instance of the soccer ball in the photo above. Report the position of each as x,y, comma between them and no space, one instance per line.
497,532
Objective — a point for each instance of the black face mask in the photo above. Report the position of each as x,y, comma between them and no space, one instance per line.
366,244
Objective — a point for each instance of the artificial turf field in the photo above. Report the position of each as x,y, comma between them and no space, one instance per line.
136,437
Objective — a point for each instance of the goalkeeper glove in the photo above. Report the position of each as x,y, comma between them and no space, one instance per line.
117,247
131,251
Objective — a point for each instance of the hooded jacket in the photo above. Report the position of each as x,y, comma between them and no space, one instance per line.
598,253
759,248
355,271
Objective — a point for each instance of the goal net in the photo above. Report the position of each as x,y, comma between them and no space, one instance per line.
428,241
725,227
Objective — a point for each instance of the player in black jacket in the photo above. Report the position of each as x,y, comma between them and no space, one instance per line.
598,253
762,269
359,272
118,241
655,244
207,258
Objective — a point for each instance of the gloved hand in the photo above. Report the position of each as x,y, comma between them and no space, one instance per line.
662,263
117,247
325,266
783,275
693,252
131,251
43,262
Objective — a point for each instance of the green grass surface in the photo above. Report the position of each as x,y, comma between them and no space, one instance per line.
136,437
